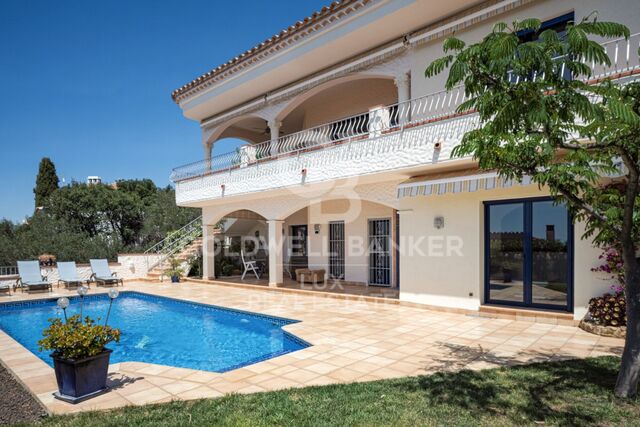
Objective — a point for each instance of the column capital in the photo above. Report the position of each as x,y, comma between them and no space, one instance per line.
401,79
274,124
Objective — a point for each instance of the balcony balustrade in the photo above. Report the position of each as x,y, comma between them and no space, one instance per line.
438,110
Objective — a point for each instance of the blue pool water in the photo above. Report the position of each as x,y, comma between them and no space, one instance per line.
163,331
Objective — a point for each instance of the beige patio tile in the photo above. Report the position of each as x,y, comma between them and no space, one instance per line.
136,387
252,388
177,373
199,392
345,374
278,383
321,368
301,376
354,340
239,374
152,369
154,394
177,387
201,377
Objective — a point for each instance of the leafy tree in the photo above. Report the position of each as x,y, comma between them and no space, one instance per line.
145,189
82,221
46,182
565,133
99,210
163,216
45,234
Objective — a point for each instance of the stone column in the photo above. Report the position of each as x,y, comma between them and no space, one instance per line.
274,127
276,252
208,252
404,95
208,153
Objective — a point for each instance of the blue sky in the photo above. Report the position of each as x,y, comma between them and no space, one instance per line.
88,83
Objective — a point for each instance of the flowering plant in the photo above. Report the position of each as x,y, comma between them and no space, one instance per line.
608,310
614,267
75,339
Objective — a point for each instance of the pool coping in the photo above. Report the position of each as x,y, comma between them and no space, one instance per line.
52,406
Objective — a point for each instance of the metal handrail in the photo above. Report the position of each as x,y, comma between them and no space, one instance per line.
374,122
173,243
382,120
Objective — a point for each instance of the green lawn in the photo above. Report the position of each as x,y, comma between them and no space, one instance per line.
560,393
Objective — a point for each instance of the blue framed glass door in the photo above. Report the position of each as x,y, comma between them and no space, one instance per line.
529,254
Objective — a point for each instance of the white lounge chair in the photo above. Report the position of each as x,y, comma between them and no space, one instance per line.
31,278
102,274
249,266
68,275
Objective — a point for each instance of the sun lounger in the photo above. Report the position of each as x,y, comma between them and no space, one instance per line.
102,274
68,275
30,277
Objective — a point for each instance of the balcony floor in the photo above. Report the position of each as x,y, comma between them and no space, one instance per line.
335,287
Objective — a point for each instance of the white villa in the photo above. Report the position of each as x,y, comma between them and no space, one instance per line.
347,166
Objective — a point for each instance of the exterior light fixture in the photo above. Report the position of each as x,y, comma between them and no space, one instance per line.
63,303
438,222
113,294
316,228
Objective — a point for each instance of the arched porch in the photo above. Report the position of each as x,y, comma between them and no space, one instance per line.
349,243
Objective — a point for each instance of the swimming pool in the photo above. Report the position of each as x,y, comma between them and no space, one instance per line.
163,331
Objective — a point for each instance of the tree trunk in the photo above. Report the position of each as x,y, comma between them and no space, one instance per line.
627,382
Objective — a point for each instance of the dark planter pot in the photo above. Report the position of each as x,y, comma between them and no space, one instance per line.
507,275
82,379
175,279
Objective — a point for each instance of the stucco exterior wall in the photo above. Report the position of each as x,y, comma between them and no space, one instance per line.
438,278
348,99
623,11
355,217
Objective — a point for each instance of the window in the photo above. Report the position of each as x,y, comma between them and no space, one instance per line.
528,253
559,25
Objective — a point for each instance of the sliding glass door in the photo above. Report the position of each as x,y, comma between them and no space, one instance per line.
528,251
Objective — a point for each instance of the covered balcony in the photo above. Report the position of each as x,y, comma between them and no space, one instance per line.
394,133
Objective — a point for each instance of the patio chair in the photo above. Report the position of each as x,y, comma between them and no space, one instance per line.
68,275
102,275
31,278
249,266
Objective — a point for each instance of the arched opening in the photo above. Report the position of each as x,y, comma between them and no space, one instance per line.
338,99
241,238
235,133
342,246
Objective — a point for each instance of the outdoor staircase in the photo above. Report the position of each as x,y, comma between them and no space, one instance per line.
182,245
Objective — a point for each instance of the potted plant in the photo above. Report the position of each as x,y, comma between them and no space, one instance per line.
80,358
175,270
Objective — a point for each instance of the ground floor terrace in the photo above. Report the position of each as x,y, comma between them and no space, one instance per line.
351,340
458,239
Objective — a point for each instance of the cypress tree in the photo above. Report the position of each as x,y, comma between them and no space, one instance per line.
46,181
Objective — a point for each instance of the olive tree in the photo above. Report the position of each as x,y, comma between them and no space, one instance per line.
544,115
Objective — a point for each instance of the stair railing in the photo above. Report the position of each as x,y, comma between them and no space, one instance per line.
175,242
